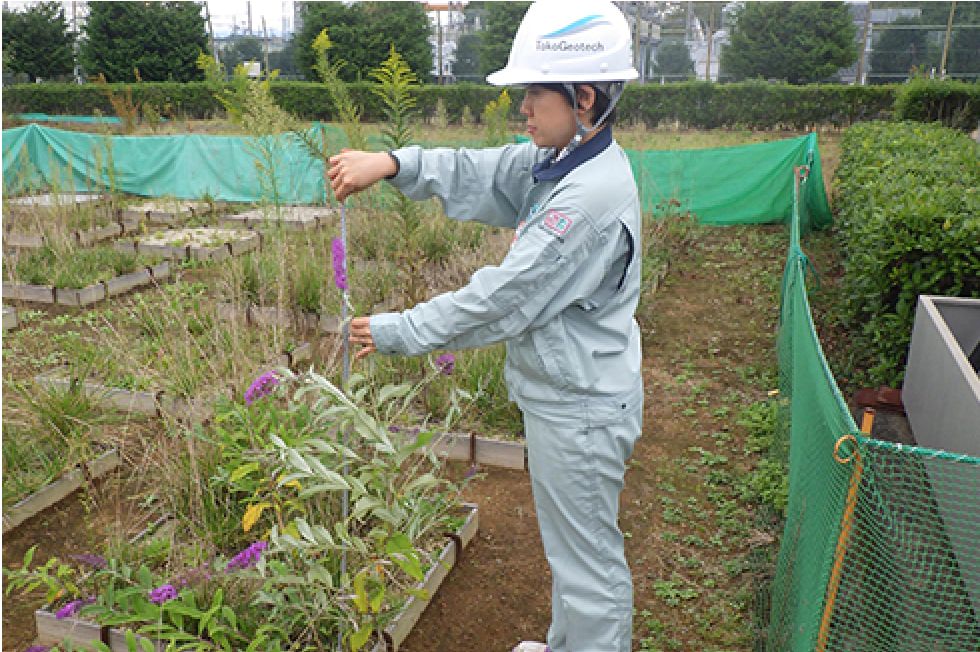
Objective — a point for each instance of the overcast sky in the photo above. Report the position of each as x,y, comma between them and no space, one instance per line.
225,13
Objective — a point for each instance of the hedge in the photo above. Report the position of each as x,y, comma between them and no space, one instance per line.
954,103
694,104
909,224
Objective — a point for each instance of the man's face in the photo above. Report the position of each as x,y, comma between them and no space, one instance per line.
550,120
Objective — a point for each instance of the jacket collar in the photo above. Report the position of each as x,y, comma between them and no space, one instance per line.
549,170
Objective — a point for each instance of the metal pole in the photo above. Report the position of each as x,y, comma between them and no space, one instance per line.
711,30
439,23
949,30
265,42
859,77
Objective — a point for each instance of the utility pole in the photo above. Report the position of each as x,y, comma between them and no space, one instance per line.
265,42
439,23
711,32
859,77
248,6
211,43
636,35
949,30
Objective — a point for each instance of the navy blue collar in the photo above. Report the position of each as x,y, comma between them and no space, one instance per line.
548,170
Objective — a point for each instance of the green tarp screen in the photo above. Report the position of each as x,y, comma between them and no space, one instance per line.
732,185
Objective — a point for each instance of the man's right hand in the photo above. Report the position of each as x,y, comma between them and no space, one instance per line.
354,170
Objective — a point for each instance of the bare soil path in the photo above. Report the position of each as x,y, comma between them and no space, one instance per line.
709,352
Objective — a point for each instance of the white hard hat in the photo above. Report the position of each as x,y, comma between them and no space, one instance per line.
569,41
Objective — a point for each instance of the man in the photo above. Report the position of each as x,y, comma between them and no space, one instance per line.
562,299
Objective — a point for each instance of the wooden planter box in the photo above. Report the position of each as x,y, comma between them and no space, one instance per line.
87,295
300,218
234,247
51,201
81,238
158,403
51,631
168,213
10,319
59,489
30,293
462,447
399,629
284,317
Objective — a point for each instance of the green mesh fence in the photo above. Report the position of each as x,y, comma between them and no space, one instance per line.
881,546
747,184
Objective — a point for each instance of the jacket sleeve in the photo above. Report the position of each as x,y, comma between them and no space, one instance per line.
485,185
499,302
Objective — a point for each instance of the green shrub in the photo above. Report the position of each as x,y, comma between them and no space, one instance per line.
909,224
694,104
954,103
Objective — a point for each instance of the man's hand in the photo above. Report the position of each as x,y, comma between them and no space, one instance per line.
360,333
354,170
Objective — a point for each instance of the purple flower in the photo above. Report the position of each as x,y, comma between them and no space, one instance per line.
72,608
95,561
248,557
339,263
163,594
38,648
261,386
446,363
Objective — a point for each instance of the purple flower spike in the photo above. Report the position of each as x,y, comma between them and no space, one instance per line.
248,557
339,263
261,386
446,363
163,593
95,561
38,648
72,608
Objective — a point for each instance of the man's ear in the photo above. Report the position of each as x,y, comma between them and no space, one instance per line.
585,96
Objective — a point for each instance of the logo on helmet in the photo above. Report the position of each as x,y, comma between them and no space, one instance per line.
546,43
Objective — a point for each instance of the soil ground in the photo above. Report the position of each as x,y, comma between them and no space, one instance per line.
709,352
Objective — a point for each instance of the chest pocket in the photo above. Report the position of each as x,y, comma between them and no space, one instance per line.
615,279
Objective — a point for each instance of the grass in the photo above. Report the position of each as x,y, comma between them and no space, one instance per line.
168,338
70,267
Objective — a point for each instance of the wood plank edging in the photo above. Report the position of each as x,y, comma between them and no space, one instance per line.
58,490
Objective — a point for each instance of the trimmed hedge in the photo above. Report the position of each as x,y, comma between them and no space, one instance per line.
702,105
909,224
954,103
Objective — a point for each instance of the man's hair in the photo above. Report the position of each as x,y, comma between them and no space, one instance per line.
598,107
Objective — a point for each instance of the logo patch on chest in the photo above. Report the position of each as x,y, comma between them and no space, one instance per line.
557,222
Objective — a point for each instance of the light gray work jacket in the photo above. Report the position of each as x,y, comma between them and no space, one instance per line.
564,296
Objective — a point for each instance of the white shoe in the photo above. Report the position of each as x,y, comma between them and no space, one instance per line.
531,646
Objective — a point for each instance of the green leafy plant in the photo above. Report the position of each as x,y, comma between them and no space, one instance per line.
495,119
908,225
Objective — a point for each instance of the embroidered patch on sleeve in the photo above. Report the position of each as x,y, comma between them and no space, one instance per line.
557,222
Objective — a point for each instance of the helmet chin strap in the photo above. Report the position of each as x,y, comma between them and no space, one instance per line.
581,131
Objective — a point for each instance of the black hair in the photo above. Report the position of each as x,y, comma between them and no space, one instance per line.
598,107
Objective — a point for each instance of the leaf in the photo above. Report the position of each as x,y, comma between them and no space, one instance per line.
305,530
242,471
360,636
377,599
297,461
252,515
409,564
360,592
389,392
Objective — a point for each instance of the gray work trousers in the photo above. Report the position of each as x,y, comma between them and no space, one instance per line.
577,459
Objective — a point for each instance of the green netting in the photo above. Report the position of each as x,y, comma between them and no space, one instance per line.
80,119
905,574
730,185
